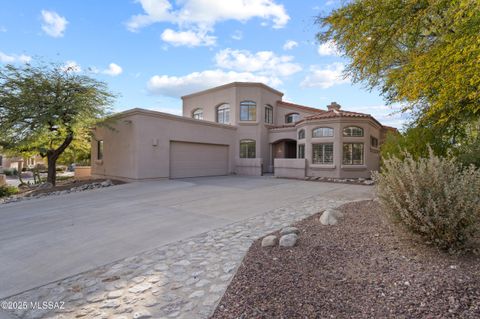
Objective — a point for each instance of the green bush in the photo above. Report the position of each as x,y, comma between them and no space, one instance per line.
433,197
6,191
10,171
470,154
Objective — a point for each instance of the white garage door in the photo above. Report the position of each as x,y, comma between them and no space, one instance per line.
196,159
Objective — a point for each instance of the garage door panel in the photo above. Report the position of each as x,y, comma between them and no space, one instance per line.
197,159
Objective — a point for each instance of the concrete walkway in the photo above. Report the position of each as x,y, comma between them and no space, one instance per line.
48,239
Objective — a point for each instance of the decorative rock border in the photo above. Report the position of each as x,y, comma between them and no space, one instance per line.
357,181
84,187
184,279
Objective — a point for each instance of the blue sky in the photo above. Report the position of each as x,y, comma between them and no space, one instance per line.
151,52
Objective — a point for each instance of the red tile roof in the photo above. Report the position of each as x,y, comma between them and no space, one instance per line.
301,107
322,114
340,113
390,128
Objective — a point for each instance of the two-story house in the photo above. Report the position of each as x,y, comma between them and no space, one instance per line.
238,128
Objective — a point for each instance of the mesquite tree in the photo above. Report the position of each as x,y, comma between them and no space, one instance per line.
43,108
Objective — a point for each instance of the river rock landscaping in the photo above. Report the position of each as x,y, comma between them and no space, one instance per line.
362,267
184,279
62,188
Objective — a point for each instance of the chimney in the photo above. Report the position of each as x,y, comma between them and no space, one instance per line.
334,106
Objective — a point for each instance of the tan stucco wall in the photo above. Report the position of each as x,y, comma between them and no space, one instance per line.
234,94
290,167
120,149
337,169
283,110
249,166
148,143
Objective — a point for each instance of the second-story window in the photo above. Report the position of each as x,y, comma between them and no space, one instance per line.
353,131
374,141
268,114
223,114
198,114
248,111
322,132
292,118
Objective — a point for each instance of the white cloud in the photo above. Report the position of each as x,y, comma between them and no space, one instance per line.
328,48
71,67
202,15
14,58
290,44
53,24
188,38
176,86
3,29
325,77
113,69
237,35
155,11
207,13
263,62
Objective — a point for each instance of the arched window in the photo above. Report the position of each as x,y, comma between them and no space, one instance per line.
247,149
292,118
301,134
248,111
268,114
322,132
223,114
354,131
198,114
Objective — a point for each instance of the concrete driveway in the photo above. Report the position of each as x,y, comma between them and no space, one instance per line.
48,239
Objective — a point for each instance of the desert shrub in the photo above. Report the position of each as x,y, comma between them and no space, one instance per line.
6,190
433,197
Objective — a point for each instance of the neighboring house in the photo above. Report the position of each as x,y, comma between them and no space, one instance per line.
238,128
19,162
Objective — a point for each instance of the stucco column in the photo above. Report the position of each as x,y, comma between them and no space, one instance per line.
308,147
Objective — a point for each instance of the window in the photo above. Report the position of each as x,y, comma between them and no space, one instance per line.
223,114
198,114
247,149
373,141
322,153
292,118
100,150
301,151
322,132
353,153
301,134
268,114
248,111
353,131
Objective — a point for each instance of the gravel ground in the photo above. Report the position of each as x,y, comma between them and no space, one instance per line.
361,268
